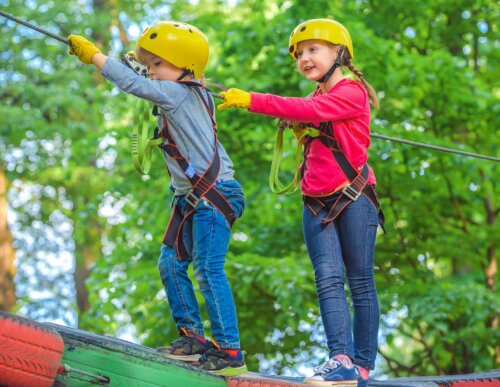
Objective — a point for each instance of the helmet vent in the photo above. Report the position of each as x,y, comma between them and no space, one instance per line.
153,35
303,29
190,30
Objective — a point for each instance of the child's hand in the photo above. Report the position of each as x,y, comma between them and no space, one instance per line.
82,48
235,98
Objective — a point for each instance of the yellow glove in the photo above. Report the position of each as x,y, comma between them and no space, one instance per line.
235,98
82,48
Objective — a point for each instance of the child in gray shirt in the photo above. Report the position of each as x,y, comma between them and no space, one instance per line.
207,197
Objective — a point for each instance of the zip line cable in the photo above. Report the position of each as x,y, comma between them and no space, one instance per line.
435,147
374,135
33,27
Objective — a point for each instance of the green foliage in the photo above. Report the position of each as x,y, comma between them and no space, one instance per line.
446,322
65,140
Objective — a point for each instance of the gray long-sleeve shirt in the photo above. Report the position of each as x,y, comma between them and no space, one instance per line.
187,119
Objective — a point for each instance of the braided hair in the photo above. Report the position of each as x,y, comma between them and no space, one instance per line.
372,95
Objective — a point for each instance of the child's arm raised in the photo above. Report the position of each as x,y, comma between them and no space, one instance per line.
162,93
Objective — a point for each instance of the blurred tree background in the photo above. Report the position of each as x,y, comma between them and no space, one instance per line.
85,229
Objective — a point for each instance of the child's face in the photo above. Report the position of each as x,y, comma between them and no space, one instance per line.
159,69
315,57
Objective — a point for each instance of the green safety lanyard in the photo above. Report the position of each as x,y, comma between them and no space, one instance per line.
143,148
274,182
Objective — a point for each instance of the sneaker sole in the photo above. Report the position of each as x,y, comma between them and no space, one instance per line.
230,371
184,358
333,383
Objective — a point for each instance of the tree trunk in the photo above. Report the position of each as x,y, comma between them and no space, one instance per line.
7,252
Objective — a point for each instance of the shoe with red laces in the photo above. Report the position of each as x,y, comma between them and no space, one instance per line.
187,348
223,361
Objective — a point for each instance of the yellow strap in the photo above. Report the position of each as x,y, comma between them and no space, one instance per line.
274,182
142,150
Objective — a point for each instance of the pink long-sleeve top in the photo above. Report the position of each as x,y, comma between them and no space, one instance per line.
346,106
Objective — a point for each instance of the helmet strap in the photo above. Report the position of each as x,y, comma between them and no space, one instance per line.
338,62
185,73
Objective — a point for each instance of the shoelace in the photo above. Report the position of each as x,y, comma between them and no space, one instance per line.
359,375
214,352
183,340
327,366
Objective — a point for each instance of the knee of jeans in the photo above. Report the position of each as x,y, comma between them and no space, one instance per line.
205,275
201,274
362,286
166,263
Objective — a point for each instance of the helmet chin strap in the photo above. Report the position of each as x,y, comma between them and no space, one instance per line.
184,74
338,62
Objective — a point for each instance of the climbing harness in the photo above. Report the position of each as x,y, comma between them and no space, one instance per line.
356,187
203,185
357,181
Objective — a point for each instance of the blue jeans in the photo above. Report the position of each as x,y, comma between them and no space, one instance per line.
346,246
206,235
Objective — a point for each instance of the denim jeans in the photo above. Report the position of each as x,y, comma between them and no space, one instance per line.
206,235
346,247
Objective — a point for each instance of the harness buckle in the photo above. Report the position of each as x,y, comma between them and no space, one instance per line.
192,199
351,192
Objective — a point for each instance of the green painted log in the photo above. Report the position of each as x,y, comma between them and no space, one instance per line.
123,363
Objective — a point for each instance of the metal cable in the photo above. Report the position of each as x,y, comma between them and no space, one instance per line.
435,147
32,26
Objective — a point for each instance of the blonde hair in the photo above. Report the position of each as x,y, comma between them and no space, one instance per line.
141,53
372,94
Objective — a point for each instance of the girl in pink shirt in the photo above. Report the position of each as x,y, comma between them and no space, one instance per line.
341,212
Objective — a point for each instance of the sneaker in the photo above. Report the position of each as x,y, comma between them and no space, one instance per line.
221,362
362,381
337,371
187,348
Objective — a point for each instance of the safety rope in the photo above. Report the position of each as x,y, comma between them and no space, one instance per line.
274,182
142,148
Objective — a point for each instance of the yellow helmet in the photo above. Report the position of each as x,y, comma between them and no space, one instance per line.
181,44
323,29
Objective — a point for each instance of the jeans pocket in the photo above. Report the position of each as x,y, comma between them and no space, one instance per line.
233,192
